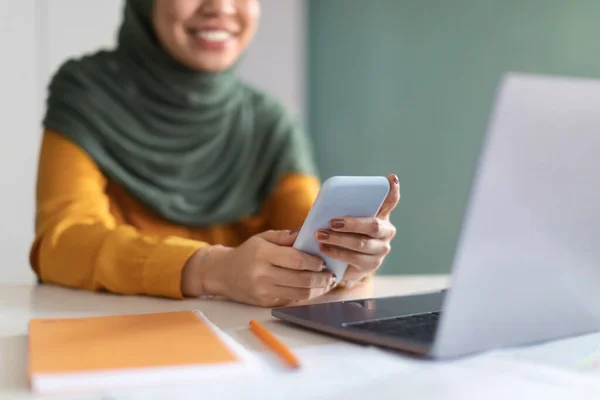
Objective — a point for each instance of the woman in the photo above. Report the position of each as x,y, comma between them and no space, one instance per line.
161,173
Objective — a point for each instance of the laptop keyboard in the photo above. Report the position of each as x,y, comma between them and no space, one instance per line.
419,327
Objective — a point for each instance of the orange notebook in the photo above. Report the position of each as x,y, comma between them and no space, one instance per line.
77,354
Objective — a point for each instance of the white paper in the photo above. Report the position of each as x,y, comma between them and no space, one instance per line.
580,354
325,371
346,371
453,382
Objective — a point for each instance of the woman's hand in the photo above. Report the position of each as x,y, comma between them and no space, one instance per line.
361,242
266,271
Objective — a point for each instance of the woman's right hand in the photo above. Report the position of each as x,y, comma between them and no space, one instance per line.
266,271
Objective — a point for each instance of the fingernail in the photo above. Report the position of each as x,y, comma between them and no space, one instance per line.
325,247
322,235
294,231
396,180
338,223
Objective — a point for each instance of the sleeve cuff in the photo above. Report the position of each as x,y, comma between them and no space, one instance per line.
162,273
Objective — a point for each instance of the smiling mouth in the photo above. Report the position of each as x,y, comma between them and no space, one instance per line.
212,36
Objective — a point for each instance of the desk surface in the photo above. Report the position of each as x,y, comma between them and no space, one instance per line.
487,377
18,304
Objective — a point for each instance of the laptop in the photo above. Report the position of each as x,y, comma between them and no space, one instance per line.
526,267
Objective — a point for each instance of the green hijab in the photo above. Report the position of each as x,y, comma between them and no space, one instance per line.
199,148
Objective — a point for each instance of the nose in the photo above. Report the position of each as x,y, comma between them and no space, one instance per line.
216,7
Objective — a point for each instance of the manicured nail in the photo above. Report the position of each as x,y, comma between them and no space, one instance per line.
396,180
322,235
294,231
338,223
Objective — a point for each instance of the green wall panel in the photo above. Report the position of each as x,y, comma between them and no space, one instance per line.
406,86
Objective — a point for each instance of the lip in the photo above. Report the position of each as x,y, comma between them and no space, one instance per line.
214,27
211,44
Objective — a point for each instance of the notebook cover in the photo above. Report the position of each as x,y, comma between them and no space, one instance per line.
123,342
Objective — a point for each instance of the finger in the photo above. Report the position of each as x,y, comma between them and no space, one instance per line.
287,257
300,279
352,241
362,262
392,199
280,238
353,274
373,227
297,294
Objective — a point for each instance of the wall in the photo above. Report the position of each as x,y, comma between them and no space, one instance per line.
18,152
42,34
281,42
406,86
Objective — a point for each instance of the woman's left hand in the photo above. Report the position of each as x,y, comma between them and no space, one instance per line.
361,242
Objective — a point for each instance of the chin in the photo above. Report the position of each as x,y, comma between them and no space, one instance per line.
213,65
212,68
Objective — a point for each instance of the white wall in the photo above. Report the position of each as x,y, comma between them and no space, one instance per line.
280,42
20,133
40,35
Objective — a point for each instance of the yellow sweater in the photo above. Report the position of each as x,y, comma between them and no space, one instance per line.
91,234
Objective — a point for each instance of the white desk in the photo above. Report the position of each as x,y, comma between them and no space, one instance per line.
18,304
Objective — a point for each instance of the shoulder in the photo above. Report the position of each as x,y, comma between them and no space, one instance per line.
85,66
80,83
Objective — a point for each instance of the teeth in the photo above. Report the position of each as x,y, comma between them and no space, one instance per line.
214,36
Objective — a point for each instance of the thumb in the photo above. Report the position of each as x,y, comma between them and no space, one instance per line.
392,199
280,238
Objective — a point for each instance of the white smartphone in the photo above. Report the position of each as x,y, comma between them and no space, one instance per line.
341,196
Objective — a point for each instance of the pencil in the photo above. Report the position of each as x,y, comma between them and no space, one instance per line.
274,344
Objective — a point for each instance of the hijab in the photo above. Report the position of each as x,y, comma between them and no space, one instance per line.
198,148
